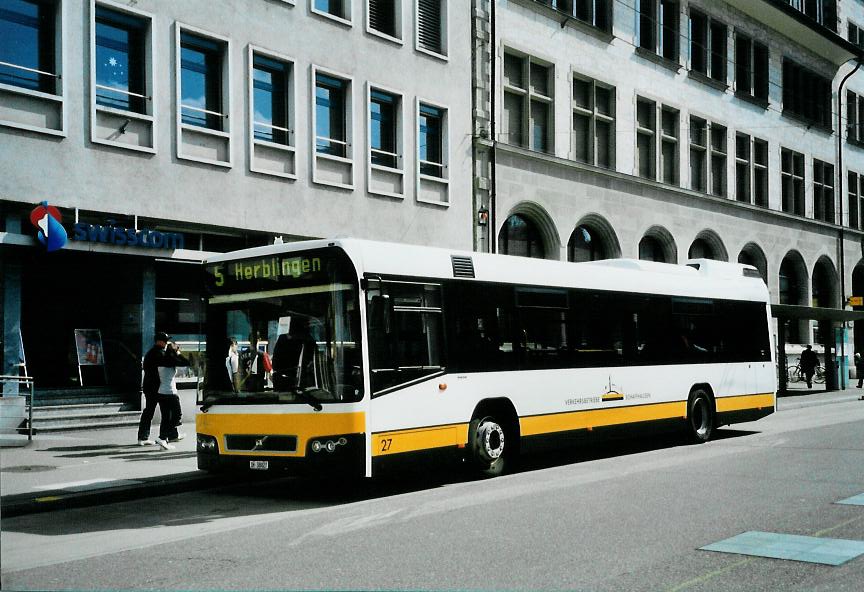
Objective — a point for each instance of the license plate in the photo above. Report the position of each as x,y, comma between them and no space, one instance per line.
259,465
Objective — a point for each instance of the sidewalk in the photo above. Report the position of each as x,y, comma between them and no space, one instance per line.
82,468
68,469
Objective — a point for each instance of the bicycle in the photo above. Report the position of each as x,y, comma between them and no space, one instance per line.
796,374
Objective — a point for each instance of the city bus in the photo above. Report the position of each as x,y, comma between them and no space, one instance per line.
354,355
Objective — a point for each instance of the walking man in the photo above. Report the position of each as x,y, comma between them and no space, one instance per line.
808,363
150,386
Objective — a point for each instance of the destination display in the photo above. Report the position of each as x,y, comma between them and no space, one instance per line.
271,271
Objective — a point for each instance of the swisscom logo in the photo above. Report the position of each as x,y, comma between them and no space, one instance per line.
48,220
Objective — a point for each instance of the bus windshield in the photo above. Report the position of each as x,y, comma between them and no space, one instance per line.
283,329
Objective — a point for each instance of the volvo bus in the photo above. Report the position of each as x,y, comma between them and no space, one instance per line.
350,354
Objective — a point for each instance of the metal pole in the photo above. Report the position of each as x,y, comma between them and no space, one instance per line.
840,194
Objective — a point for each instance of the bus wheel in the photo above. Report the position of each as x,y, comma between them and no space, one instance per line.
490,445
700,416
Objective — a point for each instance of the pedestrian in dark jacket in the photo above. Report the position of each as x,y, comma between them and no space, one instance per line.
859,368
808,363
150,386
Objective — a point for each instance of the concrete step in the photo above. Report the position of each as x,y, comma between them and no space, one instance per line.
61,418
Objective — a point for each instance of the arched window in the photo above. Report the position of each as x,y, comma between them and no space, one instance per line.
650,249
701,249
520,236
793,290
585,245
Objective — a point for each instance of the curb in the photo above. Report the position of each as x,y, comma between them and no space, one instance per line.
47,501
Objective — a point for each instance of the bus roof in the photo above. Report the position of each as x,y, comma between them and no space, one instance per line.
698,278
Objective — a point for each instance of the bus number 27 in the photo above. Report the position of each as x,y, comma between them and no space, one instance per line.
385,444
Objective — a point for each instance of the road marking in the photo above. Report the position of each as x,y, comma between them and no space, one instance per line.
89,484
791,547
855,500
710,574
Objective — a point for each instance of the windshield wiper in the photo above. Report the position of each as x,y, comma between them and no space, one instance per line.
215,400
308,398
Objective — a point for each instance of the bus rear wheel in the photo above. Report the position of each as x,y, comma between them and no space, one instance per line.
700,416
490,445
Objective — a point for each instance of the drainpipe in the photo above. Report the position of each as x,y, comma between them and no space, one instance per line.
840,193
493,238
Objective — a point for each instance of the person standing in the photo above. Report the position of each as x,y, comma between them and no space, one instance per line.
232,365
171,410
859,369
150,387
808,363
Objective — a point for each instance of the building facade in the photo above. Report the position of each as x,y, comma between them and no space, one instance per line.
156,132
669,130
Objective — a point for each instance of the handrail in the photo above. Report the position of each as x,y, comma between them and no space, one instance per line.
191,108
334,140
26,69
276,127
123,92
376,151
28,382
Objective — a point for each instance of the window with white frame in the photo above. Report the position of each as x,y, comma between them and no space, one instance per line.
659,24
708,45
384,125
597,13
854,118
593,123
120,69
339,9
528,103
823,191
806,95
28,51
271,99
855,189
669,133
431,140
792,181
646,134
855,34
823,12
751,170
331,115
707,156
751,68
385,17
202,95
432,26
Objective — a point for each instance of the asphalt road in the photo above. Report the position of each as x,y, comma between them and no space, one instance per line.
613,516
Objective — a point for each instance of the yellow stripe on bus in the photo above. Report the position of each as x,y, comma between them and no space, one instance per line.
394,442
592,418
303,425
741,402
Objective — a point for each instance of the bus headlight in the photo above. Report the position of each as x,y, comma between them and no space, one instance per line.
206,443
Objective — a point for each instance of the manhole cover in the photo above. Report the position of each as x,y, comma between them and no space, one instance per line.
28,469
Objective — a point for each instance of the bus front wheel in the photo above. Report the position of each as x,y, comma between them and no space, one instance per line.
700,416
490,445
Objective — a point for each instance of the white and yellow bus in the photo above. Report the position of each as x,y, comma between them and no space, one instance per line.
355,353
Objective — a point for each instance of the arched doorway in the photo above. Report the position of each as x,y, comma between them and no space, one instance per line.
521,236
793,290
658,245
707,245
592,240
823,295
753,255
